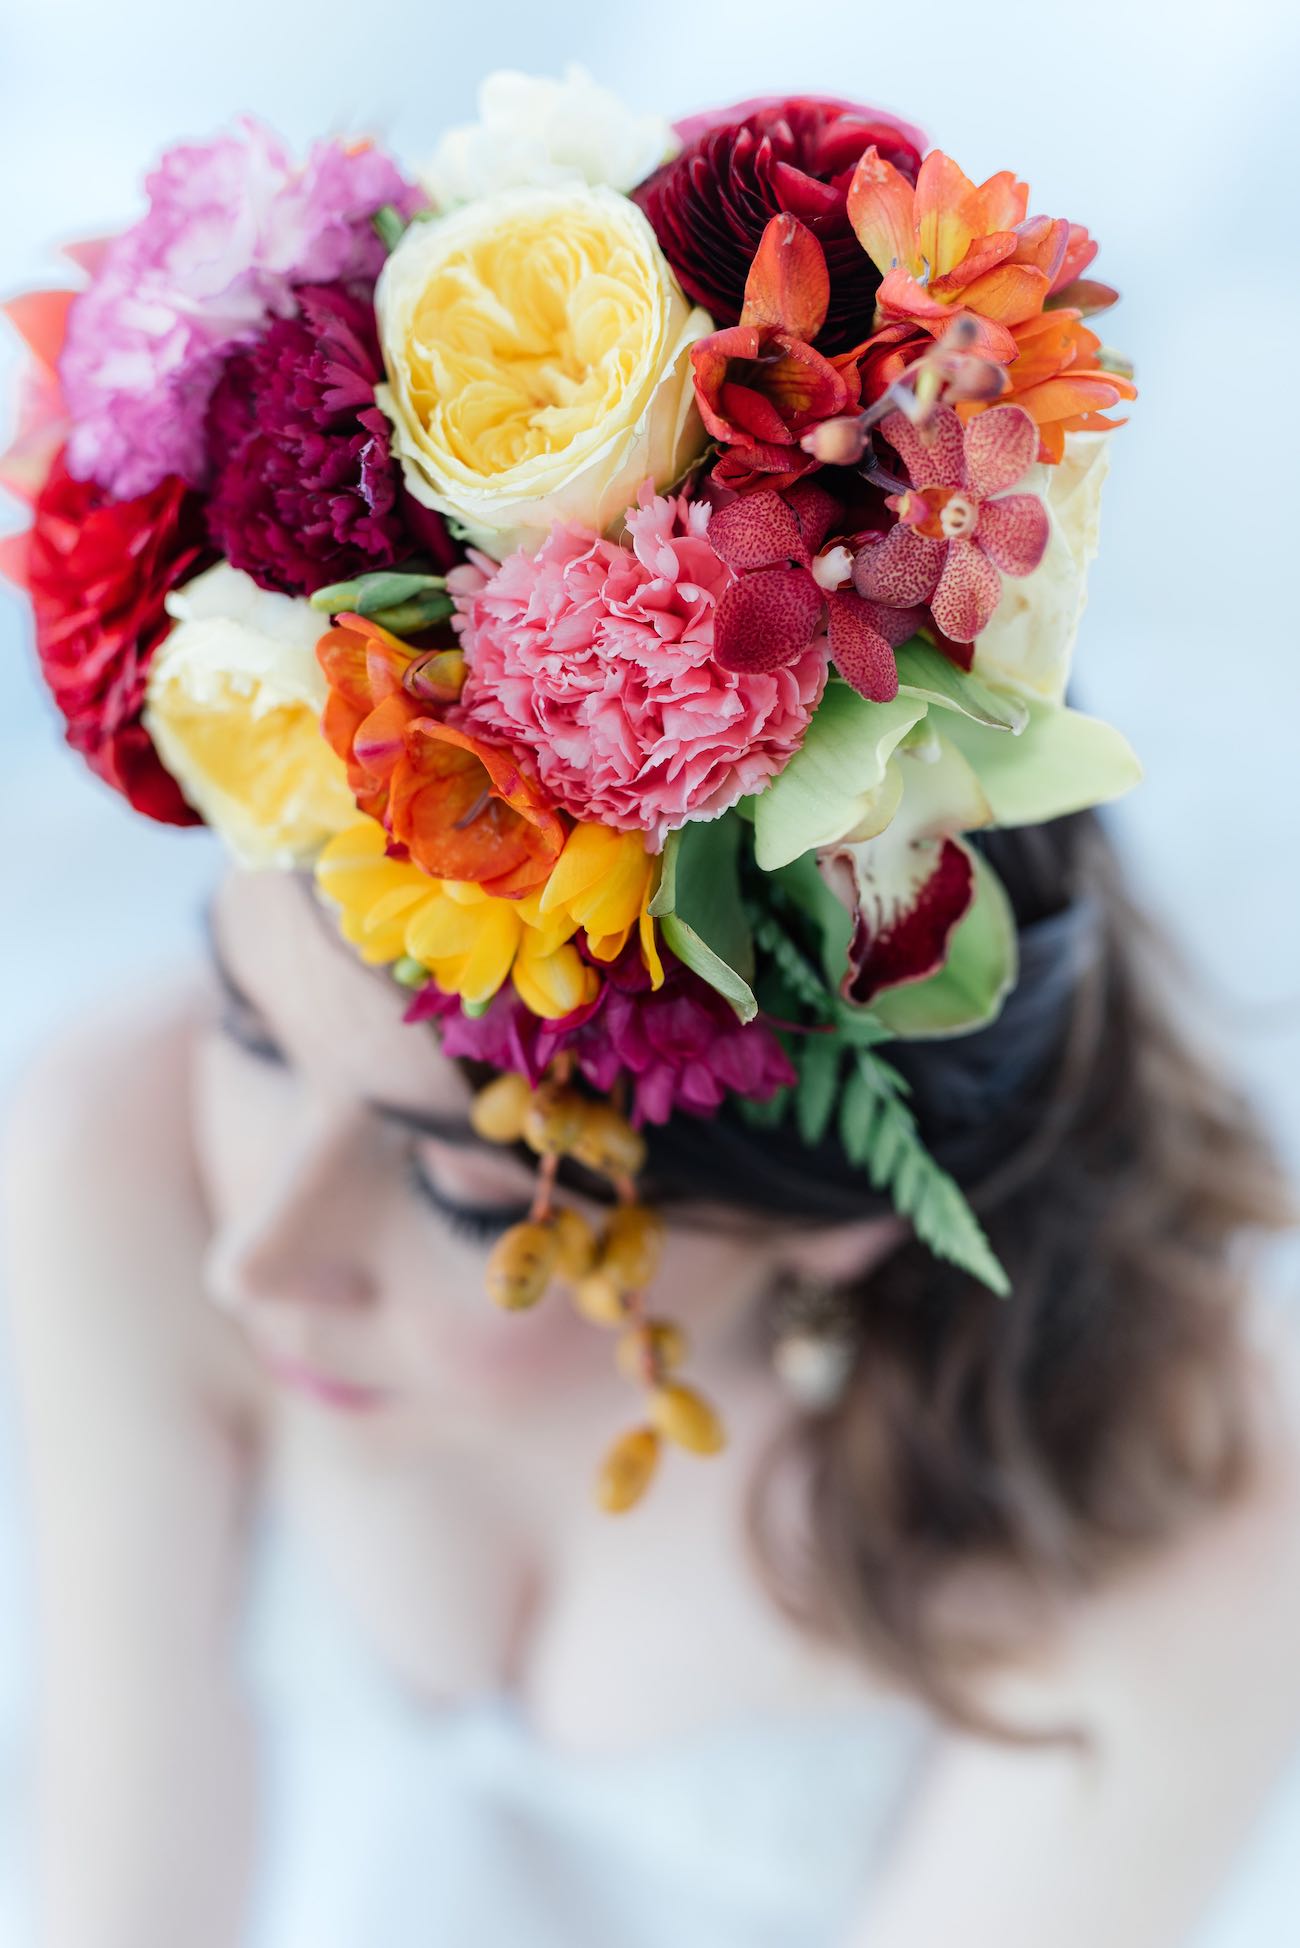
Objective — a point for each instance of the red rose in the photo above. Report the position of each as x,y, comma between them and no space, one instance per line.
97,571
742,166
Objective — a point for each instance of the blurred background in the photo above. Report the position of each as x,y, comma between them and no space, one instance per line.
1170,133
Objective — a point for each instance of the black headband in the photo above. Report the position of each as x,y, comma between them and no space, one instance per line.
973,1095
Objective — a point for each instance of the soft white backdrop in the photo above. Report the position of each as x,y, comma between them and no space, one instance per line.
1170,132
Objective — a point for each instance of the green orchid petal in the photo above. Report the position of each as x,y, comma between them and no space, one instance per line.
971,986
923,671
827,787
1062,762
699,910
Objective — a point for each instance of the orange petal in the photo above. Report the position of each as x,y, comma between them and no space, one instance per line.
984,255
1009,294
41,320
466,811
881,210
943,233
1042,242
788,286
998,204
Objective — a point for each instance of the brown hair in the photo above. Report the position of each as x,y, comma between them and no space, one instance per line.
1050,1437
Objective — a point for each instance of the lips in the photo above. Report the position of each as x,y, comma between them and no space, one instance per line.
344,1396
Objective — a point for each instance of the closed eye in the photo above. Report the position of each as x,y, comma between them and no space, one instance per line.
241,1026
480,1222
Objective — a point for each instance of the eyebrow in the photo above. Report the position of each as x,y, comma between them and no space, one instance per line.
453,1130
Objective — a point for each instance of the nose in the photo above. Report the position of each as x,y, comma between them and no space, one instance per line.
302,1243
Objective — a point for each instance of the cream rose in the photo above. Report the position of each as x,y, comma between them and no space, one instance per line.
233,707
1030,640
532,130
538,355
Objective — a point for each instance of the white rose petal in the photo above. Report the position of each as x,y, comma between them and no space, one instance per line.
533,131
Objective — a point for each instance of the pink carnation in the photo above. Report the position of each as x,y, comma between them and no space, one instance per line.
231,228
598,659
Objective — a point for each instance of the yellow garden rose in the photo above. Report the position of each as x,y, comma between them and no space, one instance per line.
233,707
538,355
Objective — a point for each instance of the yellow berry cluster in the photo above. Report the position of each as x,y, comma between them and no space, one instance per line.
606,1274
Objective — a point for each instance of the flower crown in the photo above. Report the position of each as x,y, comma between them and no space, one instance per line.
624,564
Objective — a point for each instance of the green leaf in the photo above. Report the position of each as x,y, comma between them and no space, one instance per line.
974,981
819,1071
924,671
830,920
898,1162
1062,762
389,226
368,594
827,788
409,618
700,912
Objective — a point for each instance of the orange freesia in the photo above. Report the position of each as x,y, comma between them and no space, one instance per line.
950,245
1056,378
458,807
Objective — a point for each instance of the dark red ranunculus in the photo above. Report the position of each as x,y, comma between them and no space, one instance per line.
739,168
305,488
97,571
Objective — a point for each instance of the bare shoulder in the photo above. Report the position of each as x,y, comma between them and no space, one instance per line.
104,1210
1205,1627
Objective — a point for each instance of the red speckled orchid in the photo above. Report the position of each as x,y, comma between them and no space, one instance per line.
785,592
458,807
760,385
953,536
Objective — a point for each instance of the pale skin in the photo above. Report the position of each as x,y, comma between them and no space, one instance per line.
226,1280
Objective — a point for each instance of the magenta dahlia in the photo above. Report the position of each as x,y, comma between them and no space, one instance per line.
680,1048
740,167
305,488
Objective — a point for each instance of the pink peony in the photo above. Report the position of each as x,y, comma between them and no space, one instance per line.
231,227
598,659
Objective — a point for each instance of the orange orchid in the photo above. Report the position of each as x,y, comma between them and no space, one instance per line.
459,808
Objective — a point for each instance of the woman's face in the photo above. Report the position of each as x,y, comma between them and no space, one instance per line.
352,1206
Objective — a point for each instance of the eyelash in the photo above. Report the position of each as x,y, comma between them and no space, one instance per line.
246,1036
479,1226
482,1225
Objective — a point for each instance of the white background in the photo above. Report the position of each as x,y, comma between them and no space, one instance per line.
1170,131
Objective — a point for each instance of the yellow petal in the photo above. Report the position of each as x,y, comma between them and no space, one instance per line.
650,950
587,856
553,985
489,959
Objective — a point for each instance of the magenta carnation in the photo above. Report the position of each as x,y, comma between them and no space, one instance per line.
680,1048
598,660
231,227
306,490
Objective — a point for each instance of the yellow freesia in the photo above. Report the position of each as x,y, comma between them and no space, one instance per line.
472,942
